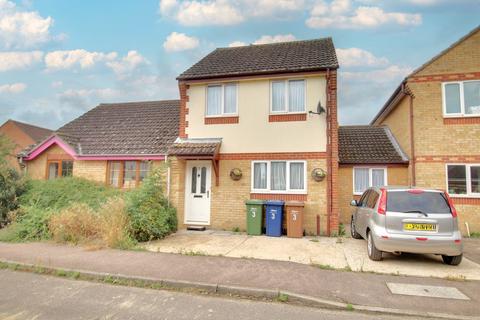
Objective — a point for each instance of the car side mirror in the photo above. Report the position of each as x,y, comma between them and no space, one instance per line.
354,203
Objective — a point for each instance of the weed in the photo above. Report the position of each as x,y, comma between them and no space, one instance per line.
323,266
349,307
282,297
193,253
60,273
341,230
236,229
456,277
314,240
73,274
475,235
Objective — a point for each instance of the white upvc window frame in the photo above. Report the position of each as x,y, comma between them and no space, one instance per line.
462,100
287,178
223,113
370,170
286,81
468,179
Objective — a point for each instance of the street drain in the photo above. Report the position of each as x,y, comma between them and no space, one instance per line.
426,291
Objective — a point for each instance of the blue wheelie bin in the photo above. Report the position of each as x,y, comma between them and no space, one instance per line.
274,215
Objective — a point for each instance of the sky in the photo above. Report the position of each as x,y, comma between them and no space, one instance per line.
60,58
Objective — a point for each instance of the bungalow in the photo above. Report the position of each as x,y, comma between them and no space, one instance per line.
21,135
116,144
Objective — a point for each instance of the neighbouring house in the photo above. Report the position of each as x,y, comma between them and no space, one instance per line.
255,123
116,144
369,156
21,135
435,115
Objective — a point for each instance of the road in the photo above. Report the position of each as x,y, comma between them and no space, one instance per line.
32,296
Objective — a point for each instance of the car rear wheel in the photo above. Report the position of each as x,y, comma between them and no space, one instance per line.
373,253
452,260
353,231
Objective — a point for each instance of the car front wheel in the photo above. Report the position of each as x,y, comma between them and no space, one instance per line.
452,260
373,253
353,231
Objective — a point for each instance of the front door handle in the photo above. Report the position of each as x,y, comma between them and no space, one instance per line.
198,196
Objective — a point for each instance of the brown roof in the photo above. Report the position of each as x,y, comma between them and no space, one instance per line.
34,132
133,128
195,147
369,145
295,56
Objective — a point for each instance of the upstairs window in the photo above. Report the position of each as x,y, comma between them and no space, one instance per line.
461,98
222,99
288,96
364,178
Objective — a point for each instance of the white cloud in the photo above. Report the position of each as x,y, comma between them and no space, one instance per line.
13,88
22,29
355,57
104,93
15,60
387,74
180,42
57,84
166,6
341,14
274,39
68,59
266,39
270,8
214,12
127,64
237,44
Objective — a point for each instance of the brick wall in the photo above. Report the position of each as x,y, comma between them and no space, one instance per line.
396,175
228,199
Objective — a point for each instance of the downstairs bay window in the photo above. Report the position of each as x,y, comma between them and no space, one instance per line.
364,178
127,174
463,179
279,177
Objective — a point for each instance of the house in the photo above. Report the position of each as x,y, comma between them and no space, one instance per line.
21,135
435,116
369,156
116,144
258,122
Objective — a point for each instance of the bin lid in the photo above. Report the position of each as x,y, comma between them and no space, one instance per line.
295,204
275,202
254,201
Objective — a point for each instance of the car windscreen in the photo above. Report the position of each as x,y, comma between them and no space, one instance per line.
427,202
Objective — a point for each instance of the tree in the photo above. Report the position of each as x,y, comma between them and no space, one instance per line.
6,149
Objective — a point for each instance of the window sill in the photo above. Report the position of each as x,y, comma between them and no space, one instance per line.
286,117
279,196
221,120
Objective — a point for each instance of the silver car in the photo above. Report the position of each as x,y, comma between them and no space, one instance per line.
402,219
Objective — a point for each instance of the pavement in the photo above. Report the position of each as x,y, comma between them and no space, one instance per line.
471,249
229,275
327,252
32,296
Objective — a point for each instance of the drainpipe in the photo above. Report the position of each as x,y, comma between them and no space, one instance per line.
407,92
329,155
168,180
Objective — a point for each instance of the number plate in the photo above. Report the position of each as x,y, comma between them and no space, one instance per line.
420,227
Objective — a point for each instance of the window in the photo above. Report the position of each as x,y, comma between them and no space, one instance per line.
288,96
127,174
279,176
404,201
461,98
221,99
364,178
59,168
463,179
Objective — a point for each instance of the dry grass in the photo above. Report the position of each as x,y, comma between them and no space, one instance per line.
79,224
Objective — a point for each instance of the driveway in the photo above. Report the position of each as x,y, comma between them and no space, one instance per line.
327,253
471,249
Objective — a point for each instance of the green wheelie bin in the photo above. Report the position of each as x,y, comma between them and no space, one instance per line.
254,216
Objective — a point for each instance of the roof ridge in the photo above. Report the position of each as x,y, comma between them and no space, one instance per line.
137,102
28,124
274,43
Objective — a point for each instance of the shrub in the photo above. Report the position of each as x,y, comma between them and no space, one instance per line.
31,224
151,216
12,185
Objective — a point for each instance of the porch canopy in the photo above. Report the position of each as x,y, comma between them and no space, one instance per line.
198,149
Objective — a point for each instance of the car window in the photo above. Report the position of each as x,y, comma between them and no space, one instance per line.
364,199
428,202
372,199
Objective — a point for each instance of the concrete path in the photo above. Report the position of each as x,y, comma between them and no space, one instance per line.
472,249
326,252
347,287
31,296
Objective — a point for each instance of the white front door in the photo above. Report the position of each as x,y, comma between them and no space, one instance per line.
197,192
